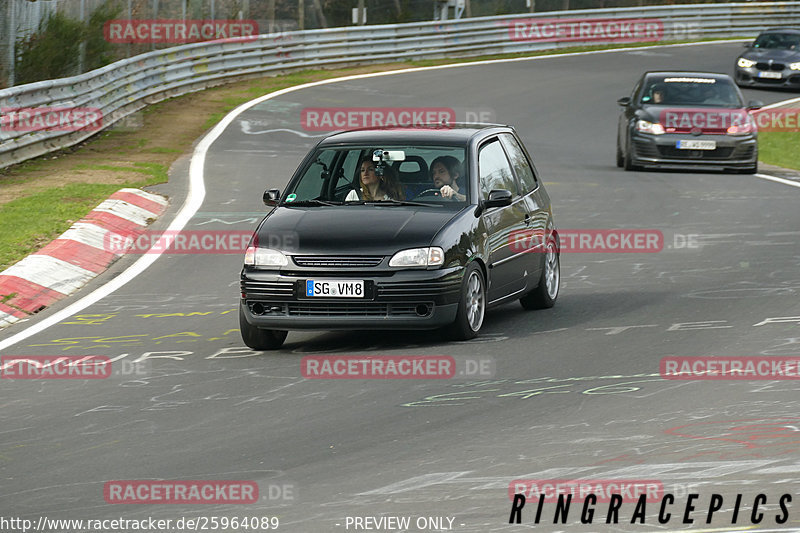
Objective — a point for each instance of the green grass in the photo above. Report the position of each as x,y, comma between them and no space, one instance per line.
28,223
779,148
156,173
57,208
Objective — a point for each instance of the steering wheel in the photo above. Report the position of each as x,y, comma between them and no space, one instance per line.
428,192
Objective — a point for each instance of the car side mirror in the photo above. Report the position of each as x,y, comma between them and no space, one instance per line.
498,198
755,104
624,101
272,197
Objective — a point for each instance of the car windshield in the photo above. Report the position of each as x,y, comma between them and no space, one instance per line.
780,41
387,174
691,91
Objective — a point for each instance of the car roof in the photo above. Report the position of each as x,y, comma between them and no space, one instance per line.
686,73
781,30
458,133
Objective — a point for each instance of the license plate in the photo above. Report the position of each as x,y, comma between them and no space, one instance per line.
335,288
691,144
773,75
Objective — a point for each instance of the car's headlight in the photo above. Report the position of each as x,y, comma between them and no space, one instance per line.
649,127
418,257
794,66
743,129
264,257
745,63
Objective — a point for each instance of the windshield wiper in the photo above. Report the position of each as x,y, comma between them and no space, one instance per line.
399,203
306,203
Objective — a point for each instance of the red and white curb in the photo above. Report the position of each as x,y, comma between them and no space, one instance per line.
78,255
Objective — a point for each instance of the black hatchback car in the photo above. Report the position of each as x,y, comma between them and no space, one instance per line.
687,119
772,60
447,234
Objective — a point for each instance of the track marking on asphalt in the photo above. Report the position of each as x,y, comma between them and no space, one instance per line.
778,180
197,191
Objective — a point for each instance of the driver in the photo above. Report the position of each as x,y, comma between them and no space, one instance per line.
446,175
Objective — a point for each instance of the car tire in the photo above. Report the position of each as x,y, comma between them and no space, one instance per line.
471,305
545,294
620,159
260,339
627,162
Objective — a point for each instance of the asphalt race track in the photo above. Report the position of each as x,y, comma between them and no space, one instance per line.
575,394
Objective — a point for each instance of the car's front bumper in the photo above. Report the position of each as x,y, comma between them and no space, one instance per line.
404,299
661,150
754,77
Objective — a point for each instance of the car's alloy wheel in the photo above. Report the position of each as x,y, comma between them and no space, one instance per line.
545,294
257,338
472,306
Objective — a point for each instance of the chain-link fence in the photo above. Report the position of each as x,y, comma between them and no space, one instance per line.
42,39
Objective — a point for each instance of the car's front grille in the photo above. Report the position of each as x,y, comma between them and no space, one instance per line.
337,261
267,289
646,149
673,152
357,309
777,67
417,289
770,81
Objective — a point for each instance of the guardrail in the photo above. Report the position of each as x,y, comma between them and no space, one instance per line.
46,116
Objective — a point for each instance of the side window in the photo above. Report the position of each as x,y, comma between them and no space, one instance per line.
495,169
522,167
